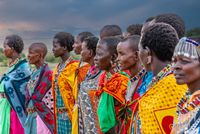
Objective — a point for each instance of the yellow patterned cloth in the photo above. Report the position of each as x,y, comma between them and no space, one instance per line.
157,107
80,76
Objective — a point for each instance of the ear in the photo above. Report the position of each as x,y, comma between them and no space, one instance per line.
136,55
114,57
65,48
149,57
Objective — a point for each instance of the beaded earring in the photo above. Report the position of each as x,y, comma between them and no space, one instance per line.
114,65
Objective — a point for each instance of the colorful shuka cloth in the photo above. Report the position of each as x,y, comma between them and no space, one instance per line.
81,72
63,83
112,91
188,114
137,86
12,85
40,117
157,106
88,102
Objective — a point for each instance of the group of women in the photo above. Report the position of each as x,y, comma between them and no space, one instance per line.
141,82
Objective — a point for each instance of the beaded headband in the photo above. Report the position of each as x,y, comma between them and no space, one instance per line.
188,48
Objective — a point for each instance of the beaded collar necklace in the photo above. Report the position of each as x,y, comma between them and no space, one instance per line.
102,81
62,65
138,75
184,106
164,72
132,84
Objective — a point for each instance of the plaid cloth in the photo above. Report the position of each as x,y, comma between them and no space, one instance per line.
63,121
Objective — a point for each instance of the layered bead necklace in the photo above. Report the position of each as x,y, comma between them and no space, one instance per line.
60,68
132,84
138,75
184,106
102,81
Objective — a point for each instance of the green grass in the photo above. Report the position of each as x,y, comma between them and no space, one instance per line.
3,70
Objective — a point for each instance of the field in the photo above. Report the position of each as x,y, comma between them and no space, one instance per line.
2,70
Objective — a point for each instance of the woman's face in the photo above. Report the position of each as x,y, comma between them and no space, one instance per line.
127,57
33,56
8,51
77,45
103,58
86,54
186,70
57,49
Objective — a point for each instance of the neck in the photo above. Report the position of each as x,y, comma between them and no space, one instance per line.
194,86
14,57
110,70
135,69
157,66
91,62
65,56
39,64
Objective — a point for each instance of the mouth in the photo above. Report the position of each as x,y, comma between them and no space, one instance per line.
178,76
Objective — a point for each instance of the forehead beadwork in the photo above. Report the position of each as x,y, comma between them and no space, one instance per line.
188,48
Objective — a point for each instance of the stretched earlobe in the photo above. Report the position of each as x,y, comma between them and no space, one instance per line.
148,60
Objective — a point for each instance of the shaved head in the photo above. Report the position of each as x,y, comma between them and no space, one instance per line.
133,42
39,48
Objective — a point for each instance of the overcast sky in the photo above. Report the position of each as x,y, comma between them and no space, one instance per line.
39,20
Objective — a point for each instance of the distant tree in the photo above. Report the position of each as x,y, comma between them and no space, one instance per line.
50,58
2,56
23,55
193,32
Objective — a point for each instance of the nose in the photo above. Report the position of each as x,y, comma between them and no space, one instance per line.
176,65
74,45
95,58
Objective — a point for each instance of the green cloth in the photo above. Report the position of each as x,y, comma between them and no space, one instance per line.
4,112
106,112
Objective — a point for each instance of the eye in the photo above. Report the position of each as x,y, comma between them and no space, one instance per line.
183,61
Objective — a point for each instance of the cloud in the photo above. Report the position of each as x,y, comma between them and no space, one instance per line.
40,19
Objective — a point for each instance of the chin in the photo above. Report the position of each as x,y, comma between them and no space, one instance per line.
180,82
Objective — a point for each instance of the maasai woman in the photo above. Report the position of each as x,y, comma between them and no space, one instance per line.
12,87
39,99
157,106
128,58
112,86
64,82
186,61
88,102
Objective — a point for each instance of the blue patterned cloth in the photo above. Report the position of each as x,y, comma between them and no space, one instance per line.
141,90
30,126
14,85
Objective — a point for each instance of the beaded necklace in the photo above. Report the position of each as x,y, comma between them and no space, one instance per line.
34,78
92,73
138,75
132,84
60,68
102,81
184,106
164,72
